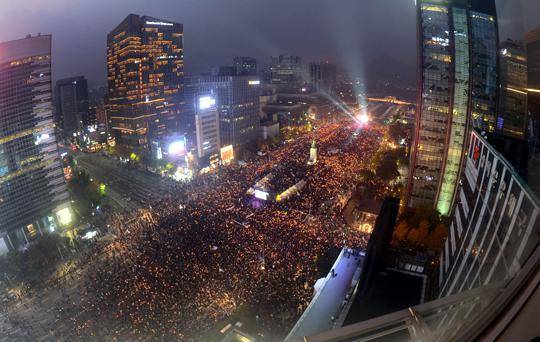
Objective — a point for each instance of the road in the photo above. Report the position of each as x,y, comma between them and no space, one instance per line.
384,111
43,315
128,188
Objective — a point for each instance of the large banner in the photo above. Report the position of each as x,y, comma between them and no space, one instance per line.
227,154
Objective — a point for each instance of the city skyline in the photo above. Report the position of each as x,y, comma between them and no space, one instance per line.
343,35
263,171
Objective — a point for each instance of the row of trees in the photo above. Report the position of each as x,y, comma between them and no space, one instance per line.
88,193
82,185
38,262
387,162
421,228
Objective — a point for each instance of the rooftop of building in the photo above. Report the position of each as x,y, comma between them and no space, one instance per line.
26,47
331,294
369,205
393,290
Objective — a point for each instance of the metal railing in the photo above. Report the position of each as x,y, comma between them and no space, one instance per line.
465,316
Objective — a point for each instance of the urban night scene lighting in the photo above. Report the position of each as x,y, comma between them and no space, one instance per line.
306,170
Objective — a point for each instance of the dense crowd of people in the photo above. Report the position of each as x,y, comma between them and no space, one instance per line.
183,265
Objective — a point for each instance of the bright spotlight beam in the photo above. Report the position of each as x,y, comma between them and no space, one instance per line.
363,118
341,105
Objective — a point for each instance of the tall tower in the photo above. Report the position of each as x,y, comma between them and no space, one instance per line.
457,59
532,42
207,125
71,98
145,68
512,112
322,76
33,193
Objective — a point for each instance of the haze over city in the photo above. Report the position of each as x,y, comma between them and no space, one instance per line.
269,170
348,34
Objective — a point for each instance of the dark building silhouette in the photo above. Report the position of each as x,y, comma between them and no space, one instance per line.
286,72
322,76
245,66
512,116
72,109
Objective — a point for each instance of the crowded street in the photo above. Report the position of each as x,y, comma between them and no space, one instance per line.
177,268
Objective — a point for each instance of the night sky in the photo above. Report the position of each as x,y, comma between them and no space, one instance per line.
365,38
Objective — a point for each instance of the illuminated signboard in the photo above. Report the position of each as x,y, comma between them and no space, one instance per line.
40,138
177,147
254,82
206,102
227,153
261,194
64,216
159,23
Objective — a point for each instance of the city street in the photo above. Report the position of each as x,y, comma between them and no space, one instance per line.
43,315
128,188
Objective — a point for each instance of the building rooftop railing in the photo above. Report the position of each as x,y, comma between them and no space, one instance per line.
465,316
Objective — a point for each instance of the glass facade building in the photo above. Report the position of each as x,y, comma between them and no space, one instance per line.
33,193
145,68
532,46
484,62
512,117
457,90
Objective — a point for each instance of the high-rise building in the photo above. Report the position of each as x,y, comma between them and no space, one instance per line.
286,71
201,117
532,45
484,44
245,66
512,112
322,76
97,96
207,125
532,41
457,91
72,110
33,193
145,67
238,102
